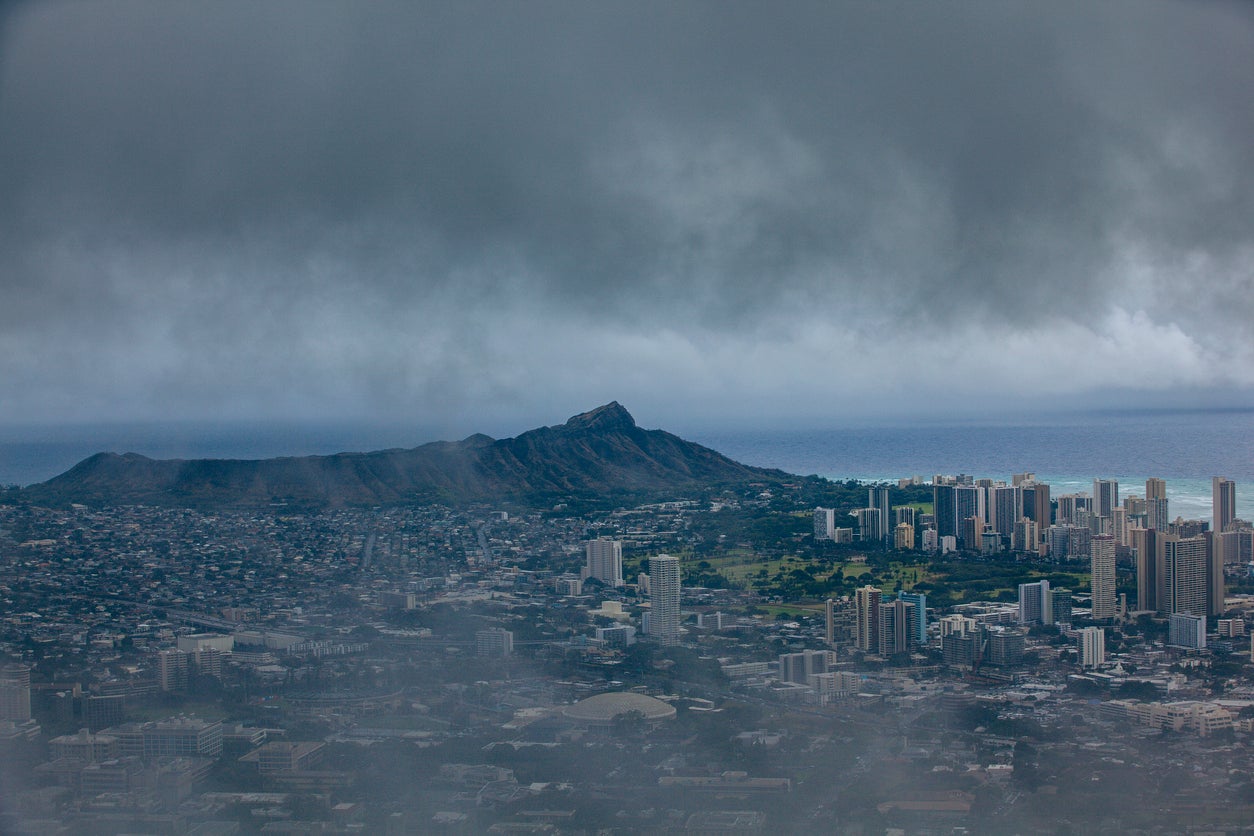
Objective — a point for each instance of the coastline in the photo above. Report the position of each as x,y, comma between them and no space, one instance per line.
1185,449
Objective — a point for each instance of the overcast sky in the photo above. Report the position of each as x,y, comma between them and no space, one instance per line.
487,215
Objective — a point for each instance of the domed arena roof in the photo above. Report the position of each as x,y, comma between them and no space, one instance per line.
603,708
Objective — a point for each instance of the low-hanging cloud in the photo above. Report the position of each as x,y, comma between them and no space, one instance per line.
729,210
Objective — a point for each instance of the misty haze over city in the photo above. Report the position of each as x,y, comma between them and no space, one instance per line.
612,418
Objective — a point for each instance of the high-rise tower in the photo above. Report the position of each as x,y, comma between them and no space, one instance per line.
868,520
1157,515
868,603
1224,509
1042,510
1102,573
1007,509
664,598
898,627
919,600
1185,575
1035,603
15,693
824,523
604,560
945,511
1105,497
968,505
1092,647
842,622
1149,580
878,498
1156,505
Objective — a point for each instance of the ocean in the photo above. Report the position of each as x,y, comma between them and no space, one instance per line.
1186,448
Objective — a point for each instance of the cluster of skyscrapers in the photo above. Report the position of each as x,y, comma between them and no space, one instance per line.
873,625
980,635
1180,564
983,515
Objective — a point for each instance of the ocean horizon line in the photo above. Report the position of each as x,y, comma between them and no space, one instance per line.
1177,445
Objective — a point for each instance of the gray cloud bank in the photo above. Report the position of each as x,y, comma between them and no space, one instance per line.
481,210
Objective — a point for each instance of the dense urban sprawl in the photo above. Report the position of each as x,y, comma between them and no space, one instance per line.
928,656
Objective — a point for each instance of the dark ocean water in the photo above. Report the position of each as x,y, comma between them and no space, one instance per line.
1186,448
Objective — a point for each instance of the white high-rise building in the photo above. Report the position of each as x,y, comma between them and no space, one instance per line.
867,601
496,642
170,670
664,598
1092,647
1185,572
1102,573
930,541
1188,631
1035,603
799,667
956,624
604,560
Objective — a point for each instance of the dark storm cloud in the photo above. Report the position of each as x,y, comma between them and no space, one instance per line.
278,207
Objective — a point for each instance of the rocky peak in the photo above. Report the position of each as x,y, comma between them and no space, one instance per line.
611,416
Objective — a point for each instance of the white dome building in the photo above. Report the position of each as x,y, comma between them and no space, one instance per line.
603,709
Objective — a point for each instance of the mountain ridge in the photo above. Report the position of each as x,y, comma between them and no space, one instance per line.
599,452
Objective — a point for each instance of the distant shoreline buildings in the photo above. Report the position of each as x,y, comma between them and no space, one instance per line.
1179,564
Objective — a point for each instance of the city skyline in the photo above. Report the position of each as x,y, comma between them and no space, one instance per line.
916,250
139,634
